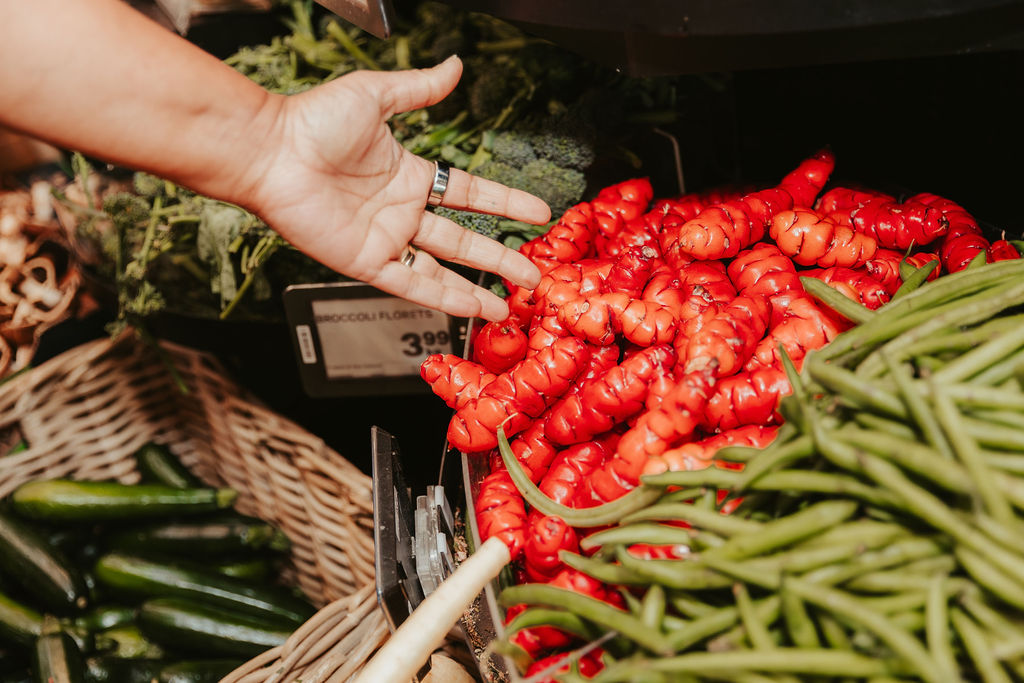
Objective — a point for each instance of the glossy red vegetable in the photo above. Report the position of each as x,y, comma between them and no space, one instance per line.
800,325
963,240
673,412
517,397
610,398
588,666
748,398
885,268
499,345
763,270
1002,250
619,203
720,343
921,258
813,240
539,640
856,284
600,319
570,239
501,512
533,450
839,203
701,454
631,270
456,380
723,230
572,466
546,535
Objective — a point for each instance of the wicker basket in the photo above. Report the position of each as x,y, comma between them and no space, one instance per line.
85,412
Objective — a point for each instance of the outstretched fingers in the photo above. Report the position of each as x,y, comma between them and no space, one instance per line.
449,241
428,283
473,193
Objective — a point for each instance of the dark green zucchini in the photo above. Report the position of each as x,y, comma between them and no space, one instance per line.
253,570
105,669
157,464
187,625
19,624
221,535
138,576
102,617
128,642
64,500
39,569
198,671
56,658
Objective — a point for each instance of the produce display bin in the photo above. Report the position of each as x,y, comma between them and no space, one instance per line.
85,412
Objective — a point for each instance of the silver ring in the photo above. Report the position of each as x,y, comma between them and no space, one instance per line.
408,256
440,186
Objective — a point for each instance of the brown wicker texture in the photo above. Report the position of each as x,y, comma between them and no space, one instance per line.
85,412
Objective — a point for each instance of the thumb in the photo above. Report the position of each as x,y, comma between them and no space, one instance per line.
399,91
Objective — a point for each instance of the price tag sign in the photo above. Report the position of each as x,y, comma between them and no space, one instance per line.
350,339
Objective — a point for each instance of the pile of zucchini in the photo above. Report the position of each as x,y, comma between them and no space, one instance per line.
159,581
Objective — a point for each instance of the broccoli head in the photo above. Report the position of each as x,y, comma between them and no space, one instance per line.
500,172
560,187
569,150
494,86
514,148
482,223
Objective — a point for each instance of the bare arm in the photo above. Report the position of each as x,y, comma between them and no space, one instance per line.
321,168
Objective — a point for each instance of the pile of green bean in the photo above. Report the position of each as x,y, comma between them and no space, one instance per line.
880,537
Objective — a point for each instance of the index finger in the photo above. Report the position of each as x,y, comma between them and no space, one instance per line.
473,193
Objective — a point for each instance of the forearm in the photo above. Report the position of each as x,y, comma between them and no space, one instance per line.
99,77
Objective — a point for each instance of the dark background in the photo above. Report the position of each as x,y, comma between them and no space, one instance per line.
948,124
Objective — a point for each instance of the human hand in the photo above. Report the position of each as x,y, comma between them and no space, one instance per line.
335,183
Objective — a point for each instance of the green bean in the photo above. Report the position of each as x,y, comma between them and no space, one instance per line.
687,605
559,618
670,622
680,574
977,647
705,540
895,603
909,455
863,533
884,425
911,621
777,660
982,357
891,318
681,496
1007,418
801,629
652,534
829,483
850,387
967,451
1012,486
591,609
603,571
1007,534
937,623
704,519
652,607
757,632
973,396
898,553
601,515
999,373
711,476
964,340
721,619
913,281
744,571
992,619
836,300
833,632
917,407
991,435
777,533
907,577
632,602
848,607
967,311
991,577
774,457
741,454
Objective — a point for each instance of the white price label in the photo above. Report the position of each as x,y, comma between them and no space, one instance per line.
378,337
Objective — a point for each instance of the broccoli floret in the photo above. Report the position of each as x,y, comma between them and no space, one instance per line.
126,210
147,185
513,148
558,186
482,223
492,90
501,172
565,149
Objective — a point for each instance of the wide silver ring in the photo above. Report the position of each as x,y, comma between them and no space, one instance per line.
408,256
440,186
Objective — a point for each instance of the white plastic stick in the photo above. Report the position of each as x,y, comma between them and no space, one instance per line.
405,652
